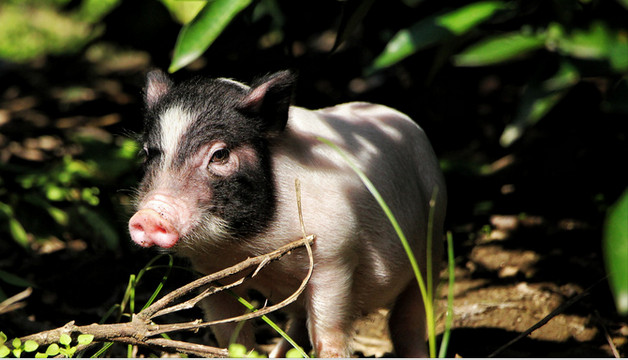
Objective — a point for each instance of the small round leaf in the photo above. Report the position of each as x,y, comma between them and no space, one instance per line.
85,339
52,350
65,339
4,351
30,346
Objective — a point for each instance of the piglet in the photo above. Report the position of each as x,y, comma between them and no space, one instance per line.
221,160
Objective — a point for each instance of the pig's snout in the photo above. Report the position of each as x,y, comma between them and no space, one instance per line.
148,228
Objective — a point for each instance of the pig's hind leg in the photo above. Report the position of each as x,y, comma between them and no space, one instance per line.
408,330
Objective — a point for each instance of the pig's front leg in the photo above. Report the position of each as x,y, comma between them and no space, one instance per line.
221,306
329,308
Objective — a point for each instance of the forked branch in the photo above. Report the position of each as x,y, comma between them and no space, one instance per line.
142,331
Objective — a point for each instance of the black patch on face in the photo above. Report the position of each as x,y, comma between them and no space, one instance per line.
246,199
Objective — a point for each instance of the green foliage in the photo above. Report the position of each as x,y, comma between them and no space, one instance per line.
63,348
16,348
31,29
200,33
585,46
63,190
434,30
615,243
127,305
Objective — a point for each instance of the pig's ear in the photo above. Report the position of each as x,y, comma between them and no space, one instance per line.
270,98
157,85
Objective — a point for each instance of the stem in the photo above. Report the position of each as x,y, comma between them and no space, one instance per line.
449,317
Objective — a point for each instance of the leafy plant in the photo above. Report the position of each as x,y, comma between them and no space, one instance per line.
196,36
17,347
35,28
579,43
63,348
67,188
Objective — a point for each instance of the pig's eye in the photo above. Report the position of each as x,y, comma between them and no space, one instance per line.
150,153
220,156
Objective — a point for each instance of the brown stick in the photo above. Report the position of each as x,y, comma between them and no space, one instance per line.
141,331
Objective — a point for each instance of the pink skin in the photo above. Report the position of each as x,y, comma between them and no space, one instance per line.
164,217
148,228
158,222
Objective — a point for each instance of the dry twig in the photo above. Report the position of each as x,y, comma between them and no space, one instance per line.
142,331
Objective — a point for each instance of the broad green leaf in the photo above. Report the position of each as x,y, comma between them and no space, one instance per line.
40,356
6,209
406,42
538,99
17,353
499,49
184,11
85,339
434,30
196,36
467,17
18,233
3,338
594,43
93,11
16,343
30,346
619,52
14,280
615,243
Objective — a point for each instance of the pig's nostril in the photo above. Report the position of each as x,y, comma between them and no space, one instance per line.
148,227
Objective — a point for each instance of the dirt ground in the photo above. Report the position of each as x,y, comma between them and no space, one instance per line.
503,288
512,269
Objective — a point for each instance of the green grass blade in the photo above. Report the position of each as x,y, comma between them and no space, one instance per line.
161,283
450,297
271,323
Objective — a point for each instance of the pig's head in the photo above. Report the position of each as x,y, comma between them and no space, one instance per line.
207,165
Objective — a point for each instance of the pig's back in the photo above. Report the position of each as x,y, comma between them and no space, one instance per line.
350,226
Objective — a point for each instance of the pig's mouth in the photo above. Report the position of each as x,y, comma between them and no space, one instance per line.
162,220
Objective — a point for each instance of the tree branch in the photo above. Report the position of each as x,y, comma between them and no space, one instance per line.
142,331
